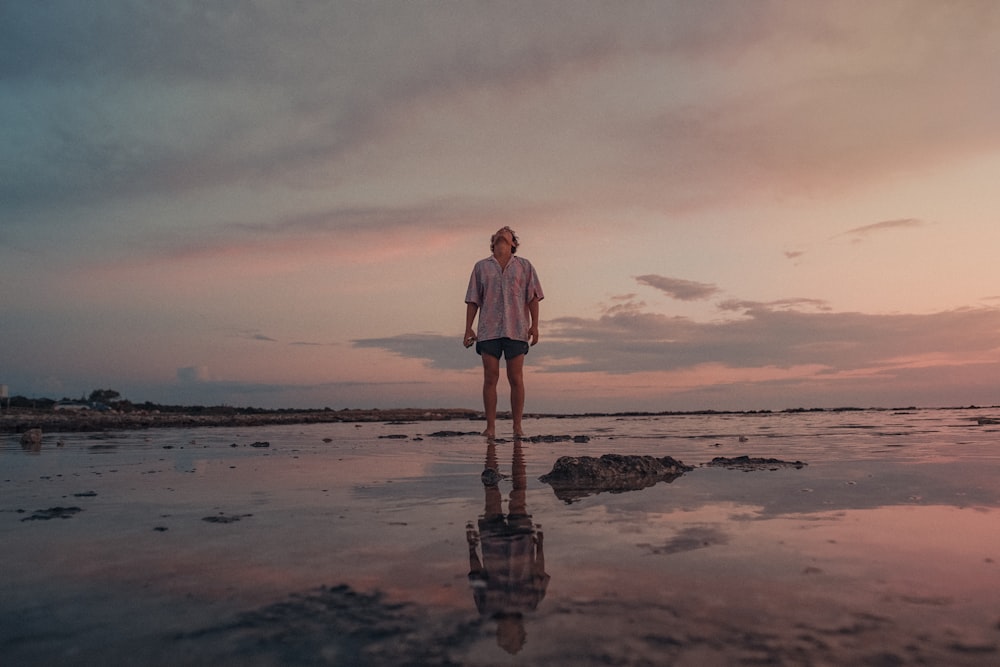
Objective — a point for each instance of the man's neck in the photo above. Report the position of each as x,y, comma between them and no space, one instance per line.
503,258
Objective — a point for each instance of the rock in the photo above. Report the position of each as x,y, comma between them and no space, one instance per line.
53,513
260,443
225,518
556,438
32,438
575,477
452,434
491,477
747,464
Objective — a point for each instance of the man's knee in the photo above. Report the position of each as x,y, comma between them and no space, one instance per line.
491,371
515,372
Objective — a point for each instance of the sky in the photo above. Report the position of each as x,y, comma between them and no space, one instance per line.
743,205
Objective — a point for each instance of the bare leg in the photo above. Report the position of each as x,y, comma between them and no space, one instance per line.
515,376
491,376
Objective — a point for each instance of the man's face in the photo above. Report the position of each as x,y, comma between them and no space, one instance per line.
503,237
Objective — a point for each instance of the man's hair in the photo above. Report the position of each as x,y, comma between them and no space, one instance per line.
513,236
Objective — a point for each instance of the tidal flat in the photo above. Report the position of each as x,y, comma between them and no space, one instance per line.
383,543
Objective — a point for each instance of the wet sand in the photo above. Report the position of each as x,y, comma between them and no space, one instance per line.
381,543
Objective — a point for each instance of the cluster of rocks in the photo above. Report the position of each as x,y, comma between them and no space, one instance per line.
576,477
748,464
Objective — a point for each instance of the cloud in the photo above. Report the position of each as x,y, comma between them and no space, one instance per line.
443,352
794,303
682,290
286,242
767,336
181,98
199,389
194,374
254,335
886,225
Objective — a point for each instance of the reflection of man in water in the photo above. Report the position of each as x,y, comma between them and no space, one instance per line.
510,578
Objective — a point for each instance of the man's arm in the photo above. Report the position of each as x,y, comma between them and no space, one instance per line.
470,316
533,311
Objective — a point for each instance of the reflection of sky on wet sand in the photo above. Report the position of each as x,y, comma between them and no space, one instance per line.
860,554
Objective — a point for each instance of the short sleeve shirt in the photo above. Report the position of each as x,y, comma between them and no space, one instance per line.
503,296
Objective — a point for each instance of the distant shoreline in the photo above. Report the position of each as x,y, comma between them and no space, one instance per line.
18,420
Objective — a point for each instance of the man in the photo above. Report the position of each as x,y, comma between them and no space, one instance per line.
505,291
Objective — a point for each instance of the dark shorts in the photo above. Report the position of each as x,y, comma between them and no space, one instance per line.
509,347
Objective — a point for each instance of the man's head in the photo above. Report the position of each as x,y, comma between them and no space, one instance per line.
505,234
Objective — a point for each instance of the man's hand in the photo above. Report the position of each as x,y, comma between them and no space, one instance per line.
470,338
533,333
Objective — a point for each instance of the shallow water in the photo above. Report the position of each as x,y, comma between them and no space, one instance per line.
336,544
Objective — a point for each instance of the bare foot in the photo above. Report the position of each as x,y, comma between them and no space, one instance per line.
519,435
489,435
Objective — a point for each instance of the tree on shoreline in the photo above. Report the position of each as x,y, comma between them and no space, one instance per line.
106,396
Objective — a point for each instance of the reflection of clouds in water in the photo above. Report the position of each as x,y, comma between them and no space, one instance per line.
689,539
186,461
331,625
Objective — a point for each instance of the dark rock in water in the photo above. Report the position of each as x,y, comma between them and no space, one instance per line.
32,438
260,443
393,436
491,477
225,518
53,513
452,434
747,464
575,477
556,438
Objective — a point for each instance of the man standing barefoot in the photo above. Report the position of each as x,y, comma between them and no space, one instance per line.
505,291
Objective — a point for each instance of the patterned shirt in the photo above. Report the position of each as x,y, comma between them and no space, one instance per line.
503,296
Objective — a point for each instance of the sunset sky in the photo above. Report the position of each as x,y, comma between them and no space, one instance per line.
731,205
